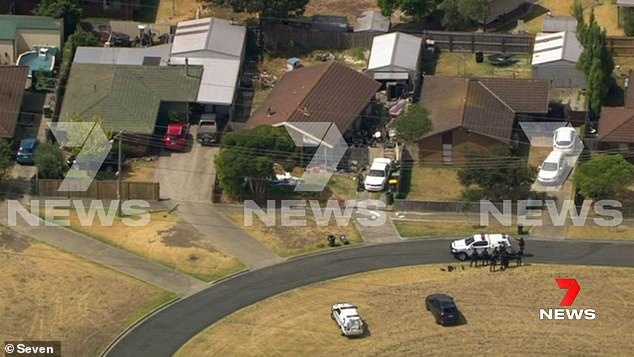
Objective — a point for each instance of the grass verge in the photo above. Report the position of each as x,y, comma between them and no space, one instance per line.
418,229
621,232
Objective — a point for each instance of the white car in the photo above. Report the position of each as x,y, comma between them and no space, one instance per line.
376,180
347,318
565,140
553,169
462,248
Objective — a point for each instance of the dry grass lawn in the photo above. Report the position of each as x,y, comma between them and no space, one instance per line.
350,9
605,12
537,155
47,294
622,232
289,241
452,64
140,171
435,184
166,240
173,11
421,229
501,320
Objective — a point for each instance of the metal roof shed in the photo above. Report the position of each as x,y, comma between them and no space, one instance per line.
209,37
559,24
372,21
555,59
393,55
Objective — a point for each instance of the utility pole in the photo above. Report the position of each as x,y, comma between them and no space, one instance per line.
119,174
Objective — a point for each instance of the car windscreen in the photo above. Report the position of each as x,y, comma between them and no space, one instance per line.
564,142
449,309
376,173
549,166
469,240
26,150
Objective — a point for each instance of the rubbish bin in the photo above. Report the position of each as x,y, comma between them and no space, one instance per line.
520,229
344,240
479,57
332,240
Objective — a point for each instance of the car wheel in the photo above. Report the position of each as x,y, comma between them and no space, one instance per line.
461,256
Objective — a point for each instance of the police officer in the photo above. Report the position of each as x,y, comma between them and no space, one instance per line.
521,244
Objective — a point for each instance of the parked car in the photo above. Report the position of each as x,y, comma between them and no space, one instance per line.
379,174
565,140
175,137
109,164
443,308
553,169
118,39
347,318
26,151
207,130
462,248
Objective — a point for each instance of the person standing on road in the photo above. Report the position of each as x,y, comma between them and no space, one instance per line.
522,244
474,258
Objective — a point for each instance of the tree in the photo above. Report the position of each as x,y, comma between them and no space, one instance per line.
604,176
413,124
577,11
68,10
628,27
82,38
498,174
476,10
50,161
5,158
417,9
452,18
245,161
275,9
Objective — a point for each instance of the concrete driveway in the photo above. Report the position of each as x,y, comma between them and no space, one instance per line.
189,175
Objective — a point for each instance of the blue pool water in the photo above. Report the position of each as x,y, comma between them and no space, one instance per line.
38,61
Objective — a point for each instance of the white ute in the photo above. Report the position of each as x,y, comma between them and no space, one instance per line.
348,319
462,248
378,175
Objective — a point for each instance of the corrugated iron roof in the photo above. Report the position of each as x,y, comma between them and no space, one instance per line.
616,125
372,21
395,49
11,94
215,37
326,92
551,47
9,24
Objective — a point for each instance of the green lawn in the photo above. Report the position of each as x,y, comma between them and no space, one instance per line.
451,64
420,229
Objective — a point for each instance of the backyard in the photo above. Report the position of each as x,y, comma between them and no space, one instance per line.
451,64
500,309
168,240
435,184
48,294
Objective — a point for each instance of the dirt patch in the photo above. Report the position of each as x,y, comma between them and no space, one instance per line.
47,294
140,171
287,241
350,9
167,240
501,310
606,13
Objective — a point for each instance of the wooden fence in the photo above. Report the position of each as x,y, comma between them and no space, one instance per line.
282,37
621,46
103,189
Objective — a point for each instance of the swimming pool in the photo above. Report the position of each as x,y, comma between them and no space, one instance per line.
40,59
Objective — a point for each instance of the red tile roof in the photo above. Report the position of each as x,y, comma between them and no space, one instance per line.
11,94
325,92
616,125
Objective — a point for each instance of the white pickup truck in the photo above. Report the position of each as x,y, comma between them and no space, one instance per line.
347,318
462,248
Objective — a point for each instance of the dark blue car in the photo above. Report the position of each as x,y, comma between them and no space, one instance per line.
26,151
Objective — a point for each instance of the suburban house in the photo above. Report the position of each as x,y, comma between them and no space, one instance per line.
19,34
121,9
559,24
395,58
135,99
11,95
475,114
624,9
323,93
555,57
500,8
616,126
149,56
372,21
218,46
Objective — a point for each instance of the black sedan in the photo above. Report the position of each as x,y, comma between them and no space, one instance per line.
443,308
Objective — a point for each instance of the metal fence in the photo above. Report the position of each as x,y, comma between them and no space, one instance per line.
103,189
282,37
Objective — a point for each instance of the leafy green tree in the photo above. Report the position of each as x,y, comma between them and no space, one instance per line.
604,176
245,161
5,158
413,124
417,9
68,10
452,18
577,11
50,161
510,179
268,9
476,10
79,38
628,27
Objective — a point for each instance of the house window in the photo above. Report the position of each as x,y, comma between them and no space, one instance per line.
447,147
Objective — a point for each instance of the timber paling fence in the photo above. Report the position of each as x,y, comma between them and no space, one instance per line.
621,46
282,37
102,189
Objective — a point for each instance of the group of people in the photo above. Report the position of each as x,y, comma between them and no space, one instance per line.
503,255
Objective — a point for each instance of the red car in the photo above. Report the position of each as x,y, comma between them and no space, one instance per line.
176,136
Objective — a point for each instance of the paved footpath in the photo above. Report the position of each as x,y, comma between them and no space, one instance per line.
106,255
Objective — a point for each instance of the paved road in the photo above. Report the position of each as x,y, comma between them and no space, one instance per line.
163,333
105,254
